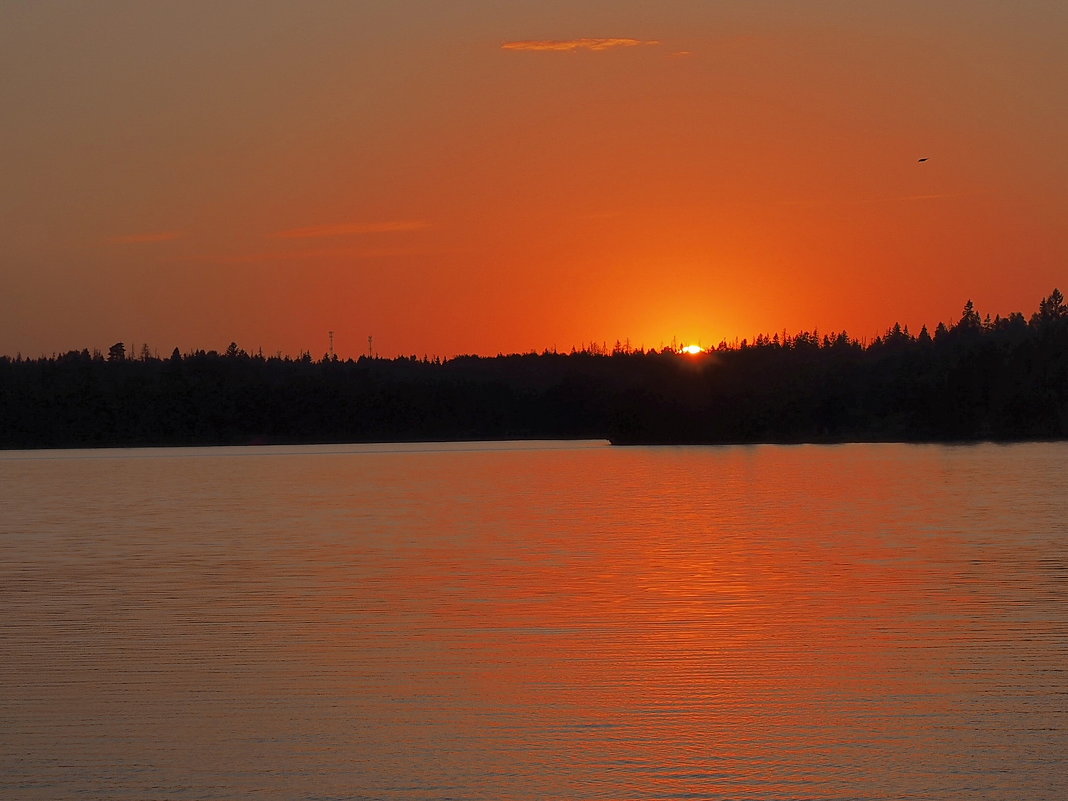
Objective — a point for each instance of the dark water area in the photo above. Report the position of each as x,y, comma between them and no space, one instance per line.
535,620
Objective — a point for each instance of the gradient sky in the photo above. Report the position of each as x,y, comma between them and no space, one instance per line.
475,176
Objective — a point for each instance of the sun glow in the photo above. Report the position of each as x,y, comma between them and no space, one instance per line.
691,349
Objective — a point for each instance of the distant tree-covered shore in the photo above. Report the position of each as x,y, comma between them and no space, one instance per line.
979,378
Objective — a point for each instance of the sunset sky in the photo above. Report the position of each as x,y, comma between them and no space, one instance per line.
483,177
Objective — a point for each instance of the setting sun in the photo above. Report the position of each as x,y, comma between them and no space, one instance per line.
353,353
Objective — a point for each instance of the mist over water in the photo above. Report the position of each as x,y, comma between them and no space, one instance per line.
535,620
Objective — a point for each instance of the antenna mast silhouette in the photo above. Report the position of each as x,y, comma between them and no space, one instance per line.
370,347
331,333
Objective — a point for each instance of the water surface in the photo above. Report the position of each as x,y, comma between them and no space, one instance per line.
535,621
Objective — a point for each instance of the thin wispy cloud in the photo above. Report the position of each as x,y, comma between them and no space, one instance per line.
138,239
571,45
350,229
328,254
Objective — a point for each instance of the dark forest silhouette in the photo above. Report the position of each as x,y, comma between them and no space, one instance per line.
980,378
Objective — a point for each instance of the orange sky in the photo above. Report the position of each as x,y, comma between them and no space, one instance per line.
475,177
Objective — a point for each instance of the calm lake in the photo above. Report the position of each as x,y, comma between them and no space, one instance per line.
550,620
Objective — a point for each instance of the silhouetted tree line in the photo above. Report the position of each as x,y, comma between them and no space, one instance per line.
980,378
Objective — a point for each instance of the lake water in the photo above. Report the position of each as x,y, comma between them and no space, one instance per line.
535,621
